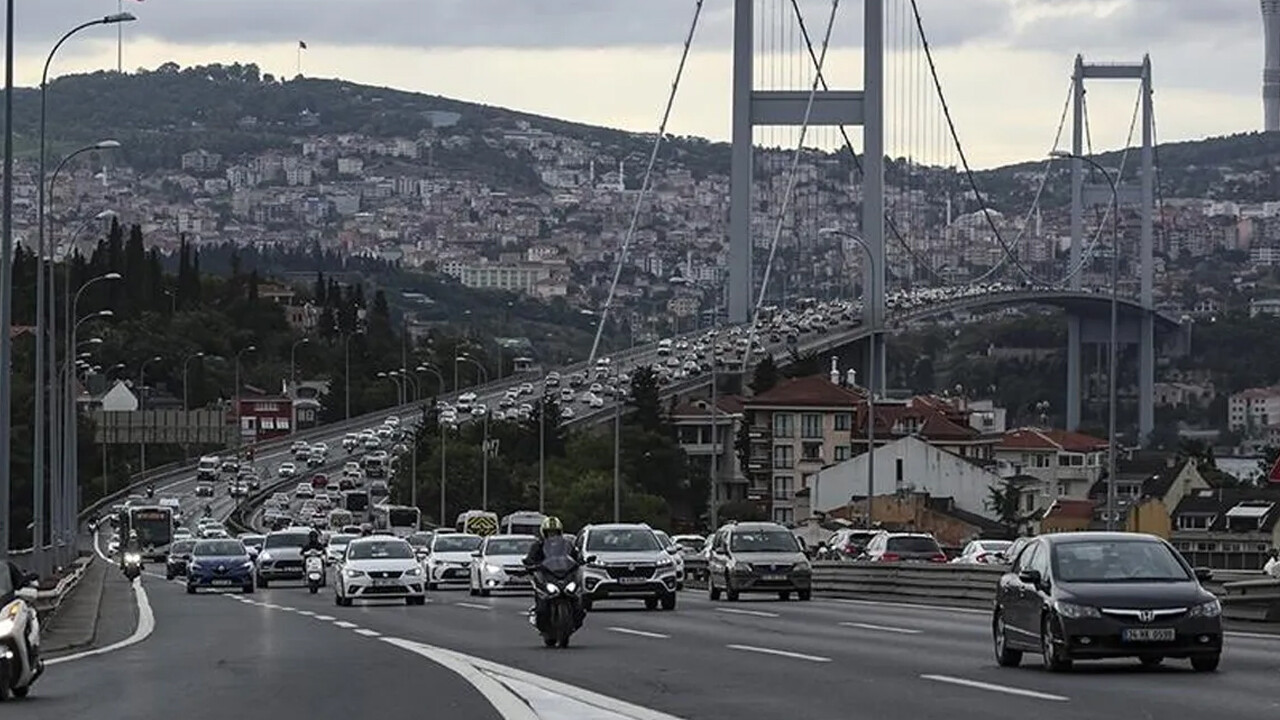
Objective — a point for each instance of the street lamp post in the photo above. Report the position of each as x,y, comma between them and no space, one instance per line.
239,427
617,460
413,492
1112,358
142,405
293,382
186,403
63,494
868,293
484,455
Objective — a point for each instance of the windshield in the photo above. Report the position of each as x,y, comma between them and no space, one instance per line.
357,501
155,527
457,543
691,543
182,546
1116,561
218,548
663,538
421,539
379,550
912,544
340,540
775,541
283,540
622,540
508,546
403,517
994,546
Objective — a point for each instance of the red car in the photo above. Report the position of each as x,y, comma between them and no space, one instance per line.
319,482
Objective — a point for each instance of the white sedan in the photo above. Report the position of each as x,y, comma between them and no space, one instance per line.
379,568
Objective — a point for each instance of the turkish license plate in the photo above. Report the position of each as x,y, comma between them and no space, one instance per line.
385,582
1149,635
632,580
220,581
773,578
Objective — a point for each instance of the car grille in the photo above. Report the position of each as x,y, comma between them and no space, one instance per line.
384,590
288,565
632,571
772,569
385,574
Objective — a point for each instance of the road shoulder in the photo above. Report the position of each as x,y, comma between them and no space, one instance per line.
100,611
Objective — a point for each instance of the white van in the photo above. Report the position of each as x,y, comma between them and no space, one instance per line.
208,467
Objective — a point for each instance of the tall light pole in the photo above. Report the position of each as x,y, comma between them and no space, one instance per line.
142,405
1112,357
346,375
394,378
542,449
6,280
63,494
484,455
293,382
413,493
239,428
868,294
186,403
617,461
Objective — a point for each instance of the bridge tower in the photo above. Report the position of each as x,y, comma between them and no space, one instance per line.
1081,329
758,108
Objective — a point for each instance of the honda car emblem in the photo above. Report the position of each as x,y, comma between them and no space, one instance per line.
1146,615
631,567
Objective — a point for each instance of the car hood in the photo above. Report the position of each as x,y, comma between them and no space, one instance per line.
215,560
769,558
281,553
382,564
453,557
504,560
627,558
1133,595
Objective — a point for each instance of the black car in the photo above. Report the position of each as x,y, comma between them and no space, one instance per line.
179,557
1096,595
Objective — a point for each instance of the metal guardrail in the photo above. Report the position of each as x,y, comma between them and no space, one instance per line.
48,601
1256,600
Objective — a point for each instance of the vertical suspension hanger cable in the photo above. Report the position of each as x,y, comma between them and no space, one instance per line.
791,182
648,176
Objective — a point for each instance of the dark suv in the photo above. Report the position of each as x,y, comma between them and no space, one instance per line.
757,557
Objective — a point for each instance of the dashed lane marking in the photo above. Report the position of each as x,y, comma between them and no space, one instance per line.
754,613
639,633
326,618
308,613
367,632
992,687
881,628
780,653
474,606
344,624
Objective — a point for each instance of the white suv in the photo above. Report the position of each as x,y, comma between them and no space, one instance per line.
630,563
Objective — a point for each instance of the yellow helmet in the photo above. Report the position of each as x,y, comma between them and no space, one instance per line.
551,525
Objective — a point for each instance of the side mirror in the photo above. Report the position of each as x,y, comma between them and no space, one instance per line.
674,550
1031,577
30,579
476,554
590,559
1204,574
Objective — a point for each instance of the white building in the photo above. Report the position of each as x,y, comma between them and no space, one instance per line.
1254,409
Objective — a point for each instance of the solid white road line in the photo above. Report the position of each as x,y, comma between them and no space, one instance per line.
640,633
1252,635
367,632
881,628
754,613
146,624
474,606
978,685
344,624
326,618
508,705
780,653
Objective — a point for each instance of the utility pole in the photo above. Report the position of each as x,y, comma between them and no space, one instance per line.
6,282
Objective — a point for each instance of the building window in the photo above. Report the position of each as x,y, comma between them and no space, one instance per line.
811,452
783,487
844,421
842,453
783,425
783,457
1029,502
1194,522
811,425
783,515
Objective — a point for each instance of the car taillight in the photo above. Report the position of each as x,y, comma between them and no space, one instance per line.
851,550
983,558
940,558
890,557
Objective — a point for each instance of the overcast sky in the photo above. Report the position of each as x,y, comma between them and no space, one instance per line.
1004,64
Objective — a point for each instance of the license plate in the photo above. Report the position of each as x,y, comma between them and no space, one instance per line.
385,582
632,580
220,581
773,578
1149,635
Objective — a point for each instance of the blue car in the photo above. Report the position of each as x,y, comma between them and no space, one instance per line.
219,563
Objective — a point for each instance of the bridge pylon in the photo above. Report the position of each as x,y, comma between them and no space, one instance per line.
1101,194
762,108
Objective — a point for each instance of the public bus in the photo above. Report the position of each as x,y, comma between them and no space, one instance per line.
154,525
340,518
356,502
522,522
478,522
399,520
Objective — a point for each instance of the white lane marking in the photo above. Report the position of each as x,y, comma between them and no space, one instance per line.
308,613
779,653
508,705
326,618
910,606
367,632
344,624
640,633
882,628
1252,635
474,606
756,613
289,609
146,624
1007,690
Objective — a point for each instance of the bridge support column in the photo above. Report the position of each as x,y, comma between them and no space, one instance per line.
1073,373
1146,378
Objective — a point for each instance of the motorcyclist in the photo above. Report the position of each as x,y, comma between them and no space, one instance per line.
151,491
207,510
551,542
313,542
132,545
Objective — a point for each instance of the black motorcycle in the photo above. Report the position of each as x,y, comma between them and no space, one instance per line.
557,584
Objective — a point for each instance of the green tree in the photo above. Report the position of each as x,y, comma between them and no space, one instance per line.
765,376
1002,499
645,399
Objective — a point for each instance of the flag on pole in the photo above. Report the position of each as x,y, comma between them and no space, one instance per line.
301,45
1274,475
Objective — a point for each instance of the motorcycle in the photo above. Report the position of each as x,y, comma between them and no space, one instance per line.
314,570
132,565
557,583
20,663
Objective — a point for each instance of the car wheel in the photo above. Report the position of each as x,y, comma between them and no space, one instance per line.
548,641
5,691
804,595
262,582
669,602
713,592
1005,656
586,604
247,589
472,591
191,589
784,595
168,576
651,603
1055,659
483,593
22,692
1205,663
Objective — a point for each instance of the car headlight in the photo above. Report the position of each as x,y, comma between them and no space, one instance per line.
132,557
802,566
264,555
552,589
740,566
492,569
1213,608
1072,610
413,572
246,565
353,573
665,561
571,587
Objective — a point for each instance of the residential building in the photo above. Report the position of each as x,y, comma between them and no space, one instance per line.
1148,487
264,418
704,433
1253,410
1066,463
1228,528
116,398
796,428
941,422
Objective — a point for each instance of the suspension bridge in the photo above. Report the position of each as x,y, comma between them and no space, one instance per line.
850,179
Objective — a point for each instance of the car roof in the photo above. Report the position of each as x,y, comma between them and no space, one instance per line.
377,538
1098,535
757,525
618,526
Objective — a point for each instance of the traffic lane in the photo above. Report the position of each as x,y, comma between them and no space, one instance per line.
685,666
211,656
